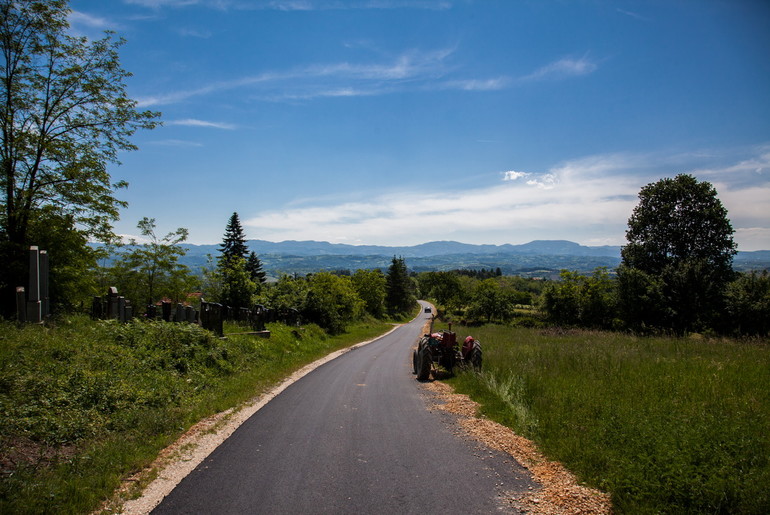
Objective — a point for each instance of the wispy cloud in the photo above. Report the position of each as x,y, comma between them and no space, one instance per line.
158,4
494,84
588,200
194,33
563,68
192,122
632,14
176,143
323,80
297,5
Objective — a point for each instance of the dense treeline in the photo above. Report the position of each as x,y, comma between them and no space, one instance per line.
604,302
676,272
149,272
465,296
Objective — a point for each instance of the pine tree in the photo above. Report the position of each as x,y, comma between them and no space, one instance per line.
234,242
254,267
398,286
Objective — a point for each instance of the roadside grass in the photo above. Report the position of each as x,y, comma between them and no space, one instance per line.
665,425
85,403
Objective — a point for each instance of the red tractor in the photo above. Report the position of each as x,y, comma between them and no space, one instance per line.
442,349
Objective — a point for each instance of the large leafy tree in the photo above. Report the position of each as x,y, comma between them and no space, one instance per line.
681,240
64,116
370,286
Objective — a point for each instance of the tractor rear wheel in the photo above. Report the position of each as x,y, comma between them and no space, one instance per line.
425,362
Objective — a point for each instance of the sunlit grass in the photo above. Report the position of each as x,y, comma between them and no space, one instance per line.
86,403
665,425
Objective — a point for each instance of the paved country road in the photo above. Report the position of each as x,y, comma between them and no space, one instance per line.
356,435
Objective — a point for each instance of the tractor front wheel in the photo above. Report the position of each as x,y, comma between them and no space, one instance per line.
415,361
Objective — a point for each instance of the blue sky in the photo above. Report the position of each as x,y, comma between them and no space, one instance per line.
397,122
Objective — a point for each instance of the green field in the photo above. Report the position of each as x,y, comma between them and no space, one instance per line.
665,425
86,403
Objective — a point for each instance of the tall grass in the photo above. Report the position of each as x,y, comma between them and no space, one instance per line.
86,403
665,425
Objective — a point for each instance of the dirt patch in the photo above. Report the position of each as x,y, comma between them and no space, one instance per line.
560,492
17,452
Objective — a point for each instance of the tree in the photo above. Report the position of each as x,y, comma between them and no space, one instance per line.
147,271
234,242
331,302
679,234
64,116
399,298
239,277
581,300
254,267
370,286
748,303
238,289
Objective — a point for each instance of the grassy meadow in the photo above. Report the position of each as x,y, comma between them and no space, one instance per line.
665,425
85,403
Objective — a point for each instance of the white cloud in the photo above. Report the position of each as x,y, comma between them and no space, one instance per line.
512,175
752,238
78,18
563,68
324,80
192,122
478,84
176,143
158,4
587,200
297,5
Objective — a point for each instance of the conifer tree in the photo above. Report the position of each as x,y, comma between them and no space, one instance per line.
398,286
234,242
254,267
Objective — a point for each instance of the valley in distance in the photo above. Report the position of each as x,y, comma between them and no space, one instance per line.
536,259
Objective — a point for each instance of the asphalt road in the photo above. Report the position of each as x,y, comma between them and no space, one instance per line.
356,435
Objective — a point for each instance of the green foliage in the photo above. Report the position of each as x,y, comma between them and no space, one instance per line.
147,272
370,287
238,289
254,267
679,233
478,296
444,287
288,293
234,242
581,300
666,425
86,403
748,304
399,289
238,274
331,302
64,116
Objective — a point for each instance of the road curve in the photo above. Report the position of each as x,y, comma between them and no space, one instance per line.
356,435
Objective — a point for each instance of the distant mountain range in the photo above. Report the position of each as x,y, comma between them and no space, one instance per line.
540,258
